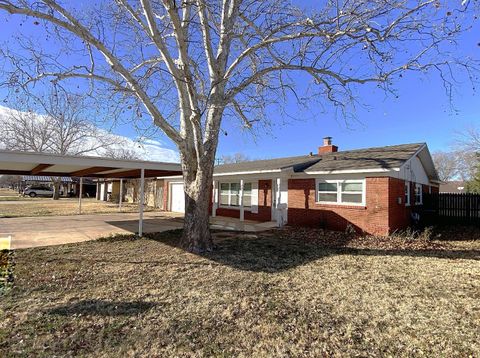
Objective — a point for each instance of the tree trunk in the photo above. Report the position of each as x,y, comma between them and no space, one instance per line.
196,227
56,189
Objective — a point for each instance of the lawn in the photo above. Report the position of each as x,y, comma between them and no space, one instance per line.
64,206
255,296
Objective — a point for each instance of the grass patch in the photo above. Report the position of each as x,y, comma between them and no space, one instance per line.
7,266
255,295
64,206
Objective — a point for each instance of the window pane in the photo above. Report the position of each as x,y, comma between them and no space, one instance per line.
247,201
224,199
351,198
224,188
247,188
235,188
327,197
327,186
352,187
234,200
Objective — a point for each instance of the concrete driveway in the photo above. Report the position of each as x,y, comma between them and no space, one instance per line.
55,230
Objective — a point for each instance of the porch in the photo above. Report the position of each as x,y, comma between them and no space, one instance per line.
235,224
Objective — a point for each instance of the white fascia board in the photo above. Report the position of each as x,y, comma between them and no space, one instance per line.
232,174
414,155
248,172
83,162
352,171
172,178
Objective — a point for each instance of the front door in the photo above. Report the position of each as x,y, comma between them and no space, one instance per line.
177,198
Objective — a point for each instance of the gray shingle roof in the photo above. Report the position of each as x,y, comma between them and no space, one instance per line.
370,158
297,163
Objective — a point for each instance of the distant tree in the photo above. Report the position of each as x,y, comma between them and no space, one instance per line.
467,146
10,181
473,185
121,153
446,165
235,158
64,128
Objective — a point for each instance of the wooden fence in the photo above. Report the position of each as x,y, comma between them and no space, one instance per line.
453,208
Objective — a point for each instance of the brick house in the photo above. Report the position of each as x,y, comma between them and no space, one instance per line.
374,190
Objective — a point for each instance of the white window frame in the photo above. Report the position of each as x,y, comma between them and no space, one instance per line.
339,183
418,186
407,193
229,206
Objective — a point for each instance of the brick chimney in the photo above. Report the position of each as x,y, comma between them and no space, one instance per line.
327,146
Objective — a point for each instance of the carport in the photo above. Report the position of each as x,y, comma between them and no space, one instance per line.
27,163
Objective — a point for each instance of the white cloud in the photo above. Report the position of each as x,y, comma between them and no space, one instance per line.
150,149
146,149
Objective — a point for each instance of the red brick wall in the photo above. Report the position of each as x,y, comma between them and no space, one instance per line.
381,215
399,214
264,205
166,194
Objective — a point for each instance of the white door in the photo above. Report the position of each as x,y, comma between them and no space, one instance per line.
177,196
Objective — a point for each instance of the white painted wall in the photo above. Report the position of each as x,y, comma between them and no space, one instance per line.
413,171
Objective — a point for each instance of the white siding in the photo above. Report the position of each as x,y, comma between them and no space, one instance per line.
413,171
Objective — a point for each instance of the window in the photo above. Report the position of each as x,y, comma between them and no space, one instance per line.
230,194
341,192
407,193
352,192
247,195
327,192
418,194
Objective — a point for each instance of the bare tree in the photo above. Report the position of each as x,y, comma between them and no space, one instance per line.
467,145
235,158
446,165
121,153
188,64
468,140
63,129
10,181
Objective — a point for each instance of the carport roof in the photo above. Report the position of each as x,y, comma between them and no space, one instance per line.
30,163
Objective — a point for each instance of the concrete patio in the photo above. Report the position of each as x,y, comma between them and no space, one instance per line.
19,233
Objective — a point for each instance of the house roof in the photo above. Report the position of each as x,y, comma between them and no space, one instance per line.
298,164
39,178
379,158
456,186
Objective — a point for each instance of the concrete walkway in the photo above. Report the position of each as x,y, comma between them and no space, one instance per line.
56,230
20,233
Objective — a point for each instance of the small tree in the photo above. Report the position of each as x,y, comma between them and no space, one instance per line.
473,185
187,64
446,165
467,148
236,158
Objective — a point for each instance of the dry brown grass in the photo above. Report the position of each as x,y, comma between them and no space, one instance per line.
7,192
253,297
64,206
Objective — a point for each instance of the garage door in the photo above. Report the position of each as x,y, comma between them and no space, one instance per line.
177,197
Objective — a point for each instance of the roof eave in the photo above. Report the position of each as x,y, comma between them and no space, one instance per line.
352,171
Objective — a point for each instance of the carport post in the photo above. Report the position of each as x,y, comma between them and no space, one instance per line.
121,195
140,222
80,197
242,209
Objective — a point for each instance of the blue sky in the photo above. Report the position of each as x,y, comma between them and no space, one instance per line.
421,113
